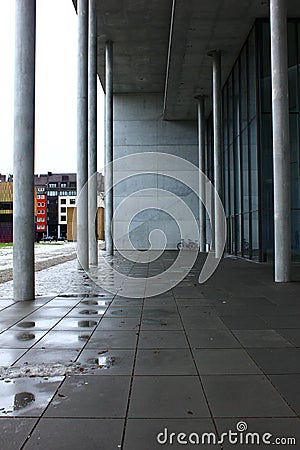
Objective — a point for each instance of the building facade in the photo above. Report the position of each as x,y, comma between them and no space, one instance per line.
6,211
248,147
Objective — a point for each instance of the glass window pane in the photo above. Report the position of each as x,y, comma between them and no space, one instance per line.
255,237
245,174
244,105
231,182
252,75
266,103
253,165
293,66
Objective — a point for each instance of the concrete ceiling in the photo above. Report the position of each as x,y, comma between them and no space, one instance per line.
162,45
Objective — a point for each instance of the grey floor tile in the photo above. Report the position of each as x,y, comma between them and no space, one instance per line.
4,302
10,355
50,312
126,302
77,434
123,312
91,396
14,432
172,323
111,362
152,302
277,428
4,325
160,313
87,312
196,311
224,361
213,338
277,360
165,305
38,325
27,396
163,397
261,339
64,339
48,356
293,335
63,302
187,292
208,322
20,339
154,434
81,324
122,323
162,339
94,303
244,396
282,320
245,322
289,388
103,339
164,362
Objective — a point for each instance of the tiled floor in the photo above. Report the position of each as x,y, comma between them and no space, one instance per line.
116,373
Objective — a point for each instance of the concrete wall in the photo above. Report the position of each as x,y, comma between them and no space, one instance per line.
138,127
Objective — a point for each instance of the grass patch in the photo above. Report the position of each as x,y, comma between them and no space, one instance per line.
6,245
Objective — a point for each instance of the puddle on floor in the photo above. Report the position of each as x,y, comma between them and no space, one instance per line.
26,324
26,396
90,312
96,302
71,295
25,336
22,399
87,323
83,337
102,362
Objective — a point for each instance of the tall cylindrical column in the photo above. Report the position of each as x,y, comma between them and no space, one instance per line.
201,141
217,149
92,135
108,176
82,136
24,113
281,150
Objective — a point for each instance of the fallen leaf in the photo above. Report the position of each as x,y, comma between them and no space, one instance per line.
102,351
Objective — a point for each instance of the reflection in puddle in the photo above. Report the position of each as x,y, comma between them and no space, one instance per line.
23,399
87,323
102,362
83,337
96,302
90,302
70,295
88,311
26,324
26,336
96,295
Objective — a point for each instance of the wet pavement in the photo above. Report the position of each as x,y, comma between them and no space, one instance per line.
82,368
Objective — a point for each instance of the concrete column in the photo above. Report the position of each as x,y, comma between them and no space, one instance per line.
92,135
201,141
281,150
24,113
217,147
108,176
82,136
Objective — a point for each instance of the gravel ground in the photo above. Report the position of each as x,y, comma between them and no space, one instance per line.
46,255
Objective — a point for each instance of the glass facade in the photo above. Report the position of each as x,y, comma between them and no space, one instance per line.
247,145
263,30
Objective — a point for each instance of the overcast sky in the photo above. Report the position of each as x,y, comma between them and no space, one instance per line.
56,63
